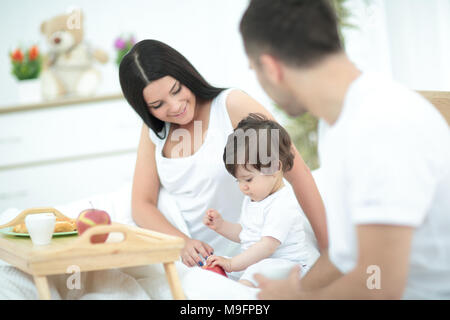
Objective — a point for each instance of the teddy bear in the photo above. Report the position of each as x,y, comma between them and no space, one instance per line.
68,68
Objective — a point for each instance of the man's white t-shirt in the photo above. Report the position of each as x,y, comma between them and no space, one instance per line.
281,217
386,160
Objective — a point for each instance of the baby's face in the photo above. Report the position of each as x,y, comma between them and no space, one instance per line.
255,184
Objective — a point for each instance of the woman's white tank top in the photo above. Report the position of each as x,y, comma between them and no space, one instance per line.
200,181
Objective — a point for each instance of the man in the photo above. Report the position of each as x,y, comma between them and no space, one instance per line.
385,161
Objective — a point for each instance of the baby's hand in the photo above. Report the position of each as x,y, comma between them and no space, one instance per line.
213,219
213,261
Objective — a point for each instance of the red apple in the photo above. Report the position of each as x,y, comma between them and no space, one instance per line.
90,218
216,269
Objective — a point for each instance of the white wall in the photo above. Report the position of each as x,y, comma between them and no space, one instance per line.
419,39
407,39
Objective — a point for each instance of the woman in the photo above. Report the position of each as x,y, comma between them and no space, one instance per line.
186,125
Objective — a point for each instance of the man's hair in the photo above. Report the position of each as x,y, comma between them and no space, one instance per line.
258,142
298,32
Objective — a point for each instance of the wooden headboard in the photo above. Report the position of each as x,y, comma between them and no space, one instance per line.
441,100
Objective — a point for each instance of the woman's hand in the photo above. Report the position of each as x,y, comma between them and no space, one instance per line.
213,219
192,249
225,263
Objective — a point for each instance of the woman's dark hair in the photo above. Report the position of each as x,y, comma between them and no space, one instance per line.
241,149
299,32
151,60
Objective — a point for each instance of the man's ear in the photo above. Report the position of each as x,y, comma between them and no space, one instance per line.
272,68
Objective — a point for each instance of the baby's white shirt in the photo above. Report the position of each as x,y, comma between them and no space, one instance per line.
281,217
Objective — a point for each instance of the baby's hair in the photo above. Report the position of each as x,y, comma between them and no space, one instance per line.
255,137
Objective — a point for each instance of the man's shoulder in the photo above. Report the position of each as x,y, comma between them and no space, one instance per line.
382,103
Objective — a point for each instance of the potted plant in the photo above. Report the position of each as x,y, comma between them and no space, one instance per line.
123,44
26,66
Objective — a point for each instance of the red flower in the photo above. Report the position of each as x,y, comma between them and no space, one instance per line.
17,55
33,53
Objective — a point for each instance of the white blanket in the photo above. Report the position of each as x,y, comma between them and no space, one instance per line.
147,282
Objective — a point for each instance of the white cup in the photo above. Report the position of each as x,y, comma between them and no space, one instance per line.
40,227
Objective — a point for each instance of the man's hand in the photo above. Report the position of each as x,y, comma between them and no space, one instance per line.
213,219
225,263
284,289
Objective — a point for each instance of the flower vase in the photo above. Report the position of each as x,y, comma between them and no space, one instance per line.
29,91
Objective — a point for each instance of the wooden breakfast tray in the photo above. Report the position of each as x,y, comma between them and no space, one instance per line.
136,247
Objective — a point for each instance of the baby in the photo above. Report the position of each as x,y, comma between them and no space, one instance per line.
273,230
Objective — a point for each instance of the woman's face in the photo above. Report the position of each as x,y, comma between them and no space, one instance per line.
170,101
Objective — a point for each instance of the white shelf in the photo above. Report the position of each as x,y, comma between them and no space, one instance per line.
59,103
